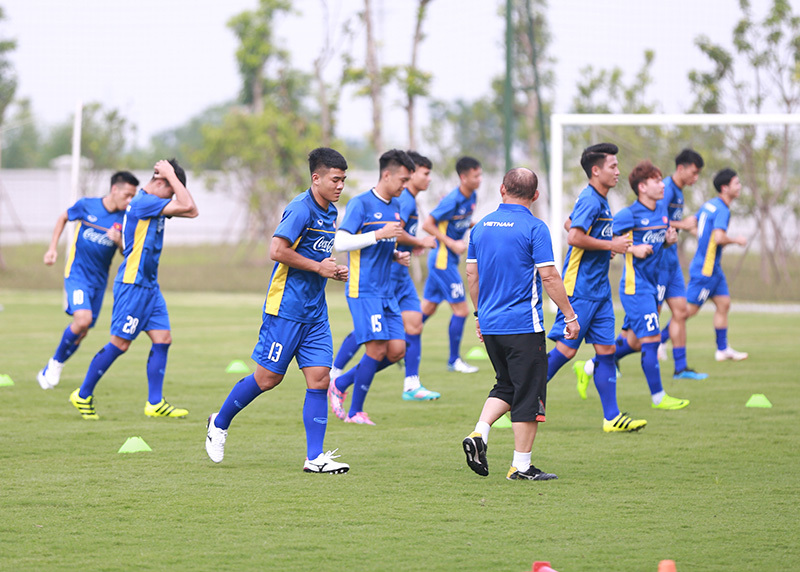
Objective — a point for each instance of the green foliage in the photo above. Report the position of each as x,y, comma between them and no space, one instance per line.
8,78
21,139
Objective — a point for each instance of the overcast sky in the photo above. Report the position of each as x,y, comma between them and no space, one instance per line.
162,61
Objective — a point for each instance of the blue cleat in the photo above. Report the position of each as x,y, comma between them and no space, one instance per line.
689,374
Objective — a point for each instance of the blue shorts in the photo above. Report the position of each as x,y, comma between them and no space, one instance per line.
406,292
376,319
137,309
596,318
671,283
280,340
444,285
641,313
80,296
701,288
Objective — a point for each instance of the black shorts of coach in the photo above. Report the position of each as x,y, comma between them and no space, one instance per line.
520,362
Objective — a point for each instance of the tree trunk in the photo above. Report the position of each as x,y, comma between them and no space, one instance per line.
374,76
412,139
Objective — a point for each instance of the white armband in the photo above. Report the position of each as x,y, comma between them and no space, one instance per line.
343,241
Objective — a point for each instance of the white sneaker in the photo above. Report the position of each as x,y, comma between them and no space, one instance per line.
215,440
461,366
325,463
662,352
49,377
729,353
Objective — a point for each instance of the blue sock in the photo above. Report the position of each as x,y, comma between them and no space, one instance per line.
156,367
365,371
456,333
425,317
344,381
244,392
679,355
71,350
722,338
665,333
413,354
100,364
383,364
555,361
605,380
652,371
346,351
67,341
315,420
623,349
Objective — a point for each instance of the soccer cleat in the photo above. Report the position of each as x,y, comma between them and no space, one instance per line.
163,409
460,366
336,399
729,354
671,403
215,440
335,372
662,352
325,463
420,394
85,406
49,377
361,418
532,474
583,378
689,373
623,423
475,449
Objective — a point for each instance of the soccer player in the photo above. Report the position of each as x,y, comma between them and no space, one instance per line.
369,232
96,239
448,223
138,302
510,257
671,285
405,291
706,278
591,244
295,318
646,224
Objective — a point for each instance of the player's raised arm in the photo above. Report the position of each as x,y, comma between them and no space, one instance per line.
51,255
183,204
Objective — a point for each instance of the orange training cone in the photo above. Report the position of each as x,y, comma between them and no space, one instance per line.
666,566
542,567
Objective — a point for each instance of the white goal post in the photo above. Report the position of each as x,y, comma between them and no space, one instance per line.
559,120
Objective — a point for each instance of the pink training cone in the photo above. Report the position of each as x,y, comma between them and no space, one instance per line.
539,566
666,566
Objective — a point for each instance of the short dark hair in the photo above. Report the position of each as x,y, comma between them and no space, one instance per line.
420,160
643,171
723,178
124,177
325,158
521,183
465,164
395,158
689,157
596,155
179,172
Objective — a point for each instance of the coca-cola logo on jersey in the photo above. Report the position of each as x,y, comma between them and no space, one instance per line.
324,245
654,236
92,235
606,232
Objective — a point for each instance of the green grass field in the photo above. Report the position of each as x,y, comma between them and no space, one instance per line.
713,487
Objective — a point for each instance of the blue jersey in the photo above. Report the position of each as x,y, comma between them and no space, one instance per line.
673,200
142,240
711,216
509,246
370,267
453,215
586,271
410,219
295,294
642,226
90,251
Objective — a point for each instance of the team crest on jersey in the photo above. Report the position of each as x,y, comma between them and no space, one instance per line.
664,219
91,218
397,216
379,216
319,222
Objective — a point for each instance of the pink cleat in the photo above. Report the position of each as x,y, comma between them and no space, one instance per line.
361,418
336,399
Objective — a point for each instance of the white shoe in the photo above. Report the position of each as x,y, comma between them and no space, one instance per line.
461,366
325,463
729,353
662,352
215,440
49,377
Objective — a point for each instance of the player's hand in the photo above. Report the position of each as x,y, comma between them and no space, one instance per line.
620,244
114,235
50,256
691,222
428,242
327,268
403,258
163,169
389,230
478,330
572,330
671,236
642,250
342,273
740,240
457,246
